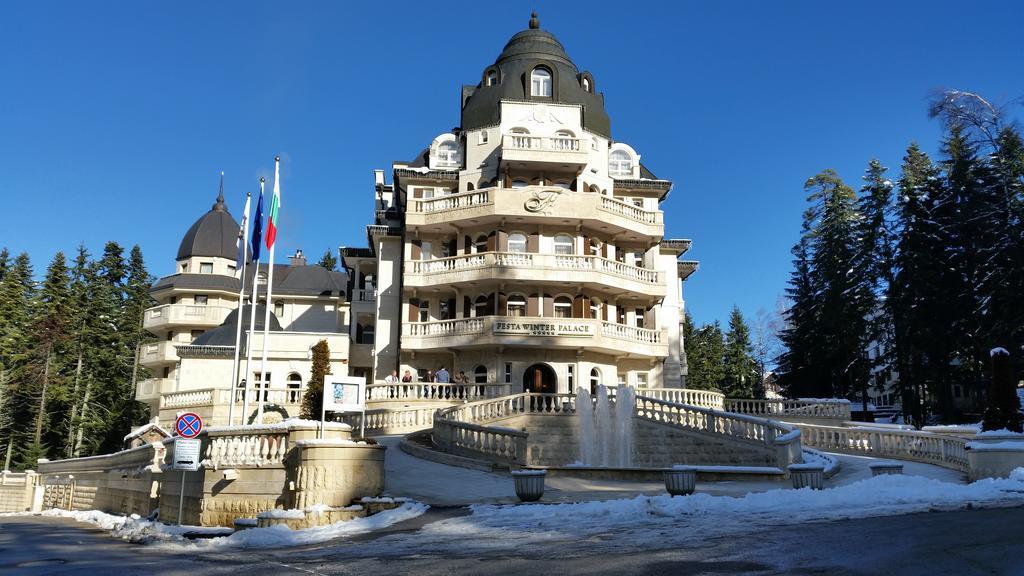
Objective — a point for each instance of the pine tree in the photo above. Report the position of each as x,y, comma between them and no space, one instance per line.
919,313
689,339
872,268
328,260
16,292
313,399
82,325
740,375
799,370
47,345
706,361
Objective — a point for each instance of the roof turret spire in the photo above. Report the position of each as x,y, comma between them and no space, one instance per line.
534,21
220,206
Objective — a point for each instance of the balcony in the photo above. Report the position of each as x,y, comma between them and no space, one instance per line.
158,353
569,333
184,315
613,276
152,388
544,151
539,204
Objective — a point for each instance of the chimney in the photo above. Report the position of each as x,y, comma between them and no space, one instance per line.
298,259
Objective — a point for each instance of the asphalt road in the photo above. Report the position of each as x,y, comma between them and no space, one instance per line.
959,543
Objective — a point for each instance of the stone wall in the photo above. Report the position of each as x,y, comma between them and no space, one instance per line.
16,491
554,441
245,471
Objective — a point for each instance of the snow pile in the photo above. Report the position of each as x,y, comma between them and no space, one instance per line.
282,514
1008,445
139,530
999,351
281,536
1001,432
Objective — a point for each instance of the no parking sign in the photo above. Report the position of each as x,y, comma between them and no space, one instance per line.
188,425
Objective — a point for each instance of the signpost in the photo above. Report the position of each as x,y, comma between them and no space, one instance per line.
344,394
186,450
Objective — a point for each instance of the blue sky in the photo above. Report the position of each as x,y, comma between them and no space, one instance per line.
116,118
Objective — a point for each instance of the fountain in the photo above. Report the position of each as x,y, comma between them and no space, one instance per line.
606,432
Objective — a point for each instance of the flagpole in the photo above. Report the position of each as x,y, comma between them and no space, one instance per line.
272,240
244,254
257,229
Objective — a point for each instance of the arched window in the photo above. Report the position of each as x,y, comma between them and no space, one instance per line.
492,78
470,187
516,305
620,163
595,188
279,309
586,84
562,184
294,385
519,131
447,154
563,244
480,307
563,307
481,244
520,183
517,242
480,374
595,380
540,82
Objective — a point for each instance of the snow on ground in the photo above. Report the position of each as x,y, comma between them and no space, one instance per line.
671,521
139,530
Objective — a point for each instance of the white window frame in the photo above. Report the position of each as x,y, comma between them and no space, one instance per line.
206,267
525,243
620,163
447,155
559,306
564,244
540,82
517,300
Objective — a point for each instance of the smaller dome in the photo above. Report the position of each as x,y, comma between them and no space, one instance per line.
224,335
213,234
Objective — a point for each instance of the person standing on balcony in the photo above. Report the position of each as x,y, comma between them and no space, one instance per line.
407,377
393,377
442,376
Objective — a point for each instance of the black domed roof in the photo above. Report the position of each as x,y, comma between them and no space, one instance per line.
523,52
224,335
213,235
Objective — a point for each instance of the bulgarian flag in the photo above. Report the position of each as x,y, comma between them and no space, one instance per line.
275,205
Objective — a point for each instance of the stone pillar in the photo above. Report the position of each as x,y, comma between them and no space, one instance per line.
334,472
389,305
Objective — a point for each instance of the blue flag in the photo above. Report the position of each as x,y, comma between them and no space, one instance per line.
257,228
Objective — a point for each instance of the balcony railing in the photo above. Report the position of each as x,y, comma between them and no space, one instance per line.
221,396
434,391
186,314
452,201
540,262
544,331
158,352
365,295
496,202
610,204
552,143
151,388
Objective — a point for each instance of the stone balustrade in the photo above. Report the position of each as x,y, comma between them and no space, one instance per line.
246,446
185,314
433,392
707,420
690,397
536,202
615,206
825,408
528,266
391,420
364,295
519,330
942,450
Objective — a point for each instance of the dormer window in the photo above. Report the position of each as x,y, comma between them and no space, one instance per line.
206,267
586,84
447,154
620,163
540,82
492,78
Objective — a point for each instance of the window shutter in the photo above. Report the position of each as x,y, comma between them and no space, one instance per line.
451,309
417,193
549,306
491,242
604,312
502,241
467,245
467,306
533,243
414,310
533,305
579,306
416,250
491,303
502,304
